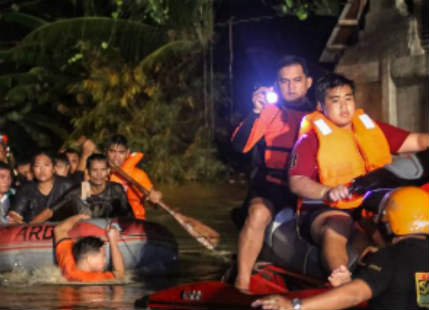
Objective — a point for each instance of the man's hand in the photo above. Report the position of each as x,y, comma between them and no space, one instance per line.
88,147
259,100
340,276
113,234
154,196
273,302
339,192
14,218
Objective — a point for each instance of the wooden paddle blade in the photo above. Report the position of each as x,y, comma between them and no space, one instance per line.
202,233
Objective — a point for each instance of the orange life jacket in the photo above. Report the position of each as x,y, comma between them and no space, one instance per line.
135,197
343,154
65,259
278,126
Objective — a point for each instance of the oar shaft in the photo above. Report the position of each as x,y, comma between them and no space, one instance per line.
195,228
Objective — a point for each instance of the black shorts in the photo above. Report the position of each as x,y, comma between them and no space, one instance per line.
309,212
279,197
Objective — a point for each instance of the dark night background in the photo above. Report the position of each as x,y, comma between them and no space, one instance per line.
258,44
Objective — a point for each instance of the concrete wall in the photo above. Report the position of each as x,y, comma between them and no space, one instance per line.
390,67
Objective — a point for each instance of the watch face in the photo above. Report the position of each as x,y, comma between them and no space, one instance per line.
296,303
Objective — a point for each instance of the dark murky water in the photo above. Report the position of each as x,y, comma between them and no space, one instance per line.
44,289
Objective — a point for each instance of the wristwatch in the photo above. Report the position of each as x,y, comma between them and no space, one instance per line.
296,303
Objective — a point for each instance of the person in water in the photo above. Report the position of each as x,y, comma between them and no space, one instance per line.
395,277
337,145
270,132
85,260
46,190
96,197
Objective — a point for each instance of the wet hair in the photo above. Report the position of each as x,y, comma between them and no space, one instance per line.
86,246
61,158
43,152
71,151
116,140
95,157
289,60
329,81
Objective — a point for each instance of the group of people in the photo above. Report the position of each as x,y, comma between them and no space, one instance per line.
305,156
69,187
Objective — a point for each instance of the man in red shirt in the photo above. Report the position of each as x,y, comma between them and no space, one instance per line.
337,146
270,132
85,260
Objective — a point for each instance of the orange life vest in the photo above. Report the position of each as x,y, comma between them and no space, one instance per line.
66,262
135,197
278,126
343,154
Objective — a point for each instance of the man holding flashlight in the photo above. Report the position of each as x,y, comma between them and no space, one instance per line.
270,132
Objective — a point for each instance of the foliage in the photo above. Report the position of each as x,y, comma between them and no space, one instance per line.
302,8
95,67
154,104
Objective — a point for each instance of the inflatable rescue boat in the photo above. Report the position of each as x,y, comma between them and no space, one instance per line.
146,246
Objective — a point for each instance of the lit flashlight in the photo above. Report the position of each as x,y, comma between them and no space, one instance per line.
271,97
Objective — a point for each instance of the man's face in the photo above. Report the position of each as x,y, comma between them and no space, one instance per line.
5,181
98,172
62,168
25,170
293,84
116,155
73,160
97,261
340,106
43,168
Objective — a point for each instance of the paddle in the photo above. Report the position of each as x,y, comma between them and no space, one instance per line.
201,232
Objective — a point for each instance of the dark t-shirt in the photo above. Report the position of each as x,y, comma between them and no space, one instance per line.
391,274
29,201
77,177
112,202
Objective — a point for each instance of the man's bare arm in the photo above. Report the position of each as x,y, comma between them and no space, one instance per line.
345,296
62,229
305,187
117,258
415,142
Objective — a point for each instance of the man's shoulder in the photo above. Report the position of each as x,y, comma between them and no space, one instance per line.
114,186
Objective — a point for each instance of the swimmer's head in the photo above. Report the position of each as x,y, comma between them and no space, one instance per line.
90,254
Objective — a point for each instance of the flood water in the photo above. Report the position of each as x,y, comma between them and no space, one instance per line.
211,204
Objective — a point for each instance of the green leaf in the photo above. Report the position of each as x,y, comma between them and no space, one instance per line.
134,39
26,20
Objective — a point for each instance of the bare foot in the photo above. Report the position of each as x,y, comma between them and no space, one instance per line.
339,276
242,285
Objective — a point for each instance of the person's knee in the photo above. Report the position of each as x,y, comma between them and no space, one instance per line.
331,224
259,216
331,235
